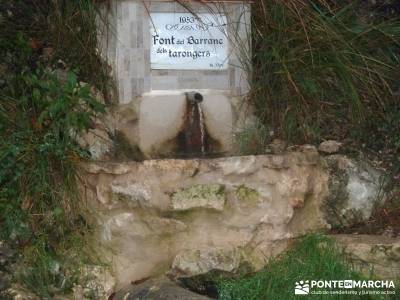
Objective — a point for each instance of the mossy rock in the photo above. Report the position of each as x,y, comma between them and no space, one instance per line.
247,195
209,196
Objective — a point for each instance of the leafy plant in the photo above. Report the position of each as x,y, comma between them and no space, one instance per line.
67,30
47,48
40,116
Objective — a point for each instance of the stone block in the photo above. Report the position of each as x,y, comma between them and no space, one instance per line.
199,196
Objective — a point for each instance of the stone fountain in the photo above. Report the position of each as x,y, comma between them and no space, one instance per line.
160,52
180,82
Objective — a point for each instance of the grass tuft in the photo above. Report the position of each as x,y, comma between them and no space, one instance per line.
321,71
315,257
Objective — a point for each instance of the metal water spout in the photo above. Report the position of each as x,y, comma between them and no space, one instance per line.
194,135
194,97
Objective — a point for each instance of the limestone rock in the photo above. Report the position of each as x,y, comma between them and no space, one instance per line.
192,213
97,140
278,162
238,166
371,253
108,168
159,288
17,292
115,134
355,188
302,148
199,196
149,212
278,146
132,225
99,282
98,143
247,196
171,166
190,263
329,147
311,153
78,292
136,194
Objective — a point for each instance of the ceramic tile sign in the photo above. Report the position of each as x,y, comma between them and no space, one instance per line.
183,41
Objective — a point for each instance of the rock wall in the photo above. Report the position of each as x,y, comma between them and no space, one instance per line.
192,216
372,254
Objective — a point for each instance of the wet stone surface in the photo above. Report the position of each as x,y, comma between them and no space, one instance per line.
160,289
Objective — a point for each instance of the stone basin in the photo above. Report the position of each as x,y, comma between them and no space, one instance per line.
188,217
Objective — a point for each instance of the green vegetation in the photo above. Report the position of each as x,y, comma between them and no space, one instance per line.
326,70
246,194
253,139
315,257
57,32
46,52
39,201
